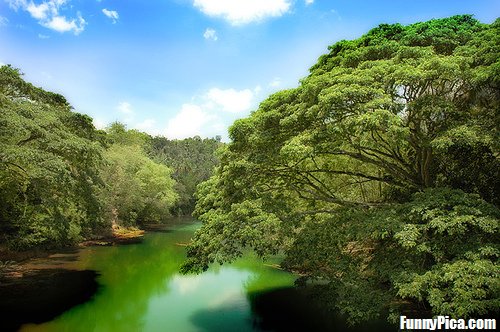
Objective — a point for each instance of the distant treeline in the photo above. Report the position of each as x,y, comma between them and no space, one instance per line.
192,161
62,180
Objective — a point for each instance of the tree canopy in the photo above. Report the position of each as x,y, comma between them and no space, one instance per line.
49,165
192,161
61,180
379,174
137,189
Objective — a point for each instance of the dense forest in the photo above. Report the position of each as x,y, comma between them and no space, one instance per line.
378,176
377,179
192,161
63,181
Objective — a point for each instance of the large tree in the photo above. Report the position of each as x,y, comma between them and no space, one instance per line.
368,172
49,160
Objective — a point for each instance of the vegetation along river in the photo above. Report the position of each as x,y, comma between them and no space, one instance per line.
140,289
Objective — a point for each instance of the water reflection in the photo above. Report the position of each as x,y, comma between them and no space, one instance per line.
142,291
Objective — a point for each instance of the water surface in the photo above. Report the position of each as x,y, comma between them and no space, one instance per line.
141,289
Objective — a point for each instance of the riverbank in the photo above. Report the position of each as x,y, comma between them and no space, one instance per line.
119,235
38,285
139,288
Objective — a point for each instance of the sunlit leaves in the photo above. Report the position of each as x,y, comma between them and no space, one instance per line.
377,175
137,189
459,289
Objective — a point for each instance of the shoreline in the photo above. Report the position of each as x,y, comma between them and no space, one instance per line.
119,236
38,285
12,263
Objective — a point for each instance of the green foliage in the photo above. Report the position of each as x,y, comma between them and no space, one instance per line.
377,176
137,190
58,182
439,250
455,236
117,133
48,167
192,161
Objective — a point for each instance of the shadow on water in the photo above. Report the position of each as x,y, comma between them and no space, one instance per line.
44,295
284,309
140,290
291,309
161,230
135,240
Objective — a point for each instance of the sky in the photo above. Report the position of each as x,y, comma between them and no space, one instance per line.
180,68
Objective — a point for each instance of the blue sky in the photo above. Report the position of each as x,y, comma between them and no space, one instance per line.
180,68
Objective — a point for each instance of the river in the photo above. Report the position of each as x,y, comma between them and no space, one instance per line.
140,289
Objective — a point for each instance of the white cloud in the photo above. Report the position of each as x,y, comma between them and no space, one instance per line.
43,36
125,108
309,2
210,34
208,114
98,123
336,14
127,113
238,12
48,14
61,24
40,11
188,122
230,100
16,4
112,14
46,75
146,125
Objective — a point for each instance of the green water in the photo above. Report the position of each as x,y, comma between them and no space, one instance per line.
141,289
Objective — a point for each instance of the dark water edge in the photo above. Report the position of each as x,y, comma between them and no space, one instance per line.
49,293
43,295
284,310
294,309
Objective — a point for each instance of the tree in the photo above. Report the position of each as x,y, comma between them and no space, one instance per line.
138,190
192,161
61,180
329,172
48,166
436,254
